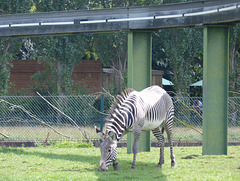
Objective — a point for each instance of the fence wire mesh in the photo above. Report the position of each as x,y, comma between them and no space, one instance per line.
32,118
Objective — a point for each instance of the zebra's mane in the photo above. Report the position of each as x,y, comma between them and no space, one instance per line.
118,101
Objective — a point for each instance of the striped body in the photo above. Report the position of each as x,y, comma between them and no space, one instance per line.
136,111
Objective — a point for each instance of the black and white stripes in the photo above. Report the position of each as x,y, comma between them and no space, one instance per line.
149,109
122,114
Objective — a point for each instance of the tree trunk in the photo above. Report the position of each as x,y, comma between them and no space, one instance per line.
59,90
5,71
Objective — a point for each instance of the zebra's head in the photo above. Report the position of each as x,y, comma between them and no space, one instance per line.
108,150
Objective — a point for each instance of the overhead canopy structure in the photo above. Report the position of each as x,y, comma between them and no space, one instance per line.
189,14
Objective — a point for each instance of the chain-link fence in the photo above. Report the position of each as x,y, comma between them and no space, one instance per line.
33,118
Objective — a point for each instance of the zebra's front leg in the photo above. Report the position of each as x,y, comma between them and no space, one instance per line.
115,165
137,134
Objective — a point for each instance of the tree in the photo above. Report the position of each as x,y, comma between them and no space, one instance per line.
58,5
112,50
9,46
234,59
121,3
112,47
11,6
5,64
178,51
183,50
60,53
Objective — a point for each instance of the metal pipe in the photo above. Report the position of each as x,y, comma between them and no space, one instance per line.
228,8
130,19
93,21
201,13
25,24
58,23
169,16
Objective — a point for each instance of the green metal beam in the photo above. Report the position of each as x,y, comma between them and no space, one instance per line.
215,90
139,75
187,14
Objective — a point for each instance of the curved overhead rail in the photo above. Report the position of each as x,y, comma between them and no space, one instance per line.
196,13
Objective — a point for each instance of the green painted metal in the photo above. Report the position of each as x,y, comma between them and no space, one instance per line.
115,19
139,76
215,90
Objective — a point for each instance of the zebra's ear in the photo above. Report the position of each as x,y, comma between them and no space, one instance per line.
112,135
99,133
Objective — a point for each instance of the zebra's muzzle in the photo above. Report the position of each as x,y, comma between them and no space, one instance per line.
102,167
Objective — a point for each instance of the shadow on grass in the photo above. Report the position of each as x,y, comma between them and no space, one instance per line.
67,157
190,157
143,171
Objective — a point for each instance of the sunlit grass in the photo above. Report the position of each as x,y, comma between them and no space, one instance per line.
54,163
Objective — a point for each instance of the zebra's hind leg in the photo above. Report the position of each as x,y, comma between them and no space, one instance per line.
168,128
159,135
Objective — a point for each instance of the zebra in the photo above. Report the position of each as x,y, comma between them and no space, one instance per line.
150,109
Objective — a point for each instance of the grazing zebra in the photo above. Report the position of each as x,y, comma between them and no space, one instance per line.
134,111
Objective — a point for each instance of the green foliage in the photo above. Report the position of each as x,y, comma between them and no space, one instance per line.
112,50
178,52
60,55
122,3
58,5
182,51
234,60
8,49
11,6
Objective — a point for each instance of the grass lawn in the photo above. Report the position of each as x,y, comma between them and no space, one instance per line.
54,163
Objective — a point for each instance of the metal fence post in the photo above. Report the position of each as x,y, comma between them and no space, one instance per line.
102,111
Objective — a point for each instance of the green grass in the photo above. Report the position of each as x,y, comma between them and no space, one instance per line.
58,163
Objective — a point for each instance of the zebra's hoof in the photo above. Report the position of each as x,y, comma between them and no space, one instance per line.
116,166
159,166
173,164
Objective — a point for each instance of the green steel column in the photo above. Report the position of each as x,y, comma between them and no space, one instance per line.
139,75
215,89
